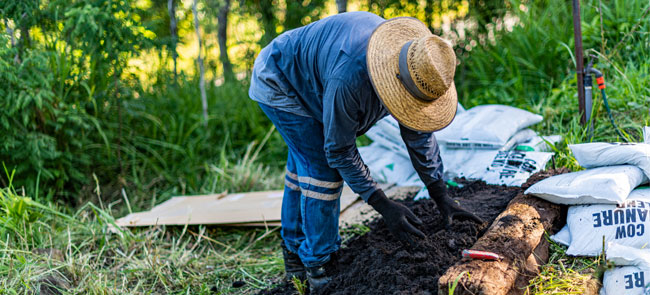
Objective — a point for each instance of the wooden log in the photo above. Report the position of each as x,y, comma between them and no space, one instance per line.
531,269
515,234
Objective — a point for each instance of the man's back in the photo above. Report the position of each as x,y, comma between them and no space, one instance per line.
293,70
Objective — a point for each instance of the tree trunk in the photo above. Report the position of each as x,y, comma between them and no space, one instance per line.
199,60
268,21
171,8
10,32
342,5
222,36
428,14
23,43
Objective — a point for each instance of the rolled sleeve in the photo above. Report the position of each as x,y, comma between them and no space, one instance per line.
424,153
341,110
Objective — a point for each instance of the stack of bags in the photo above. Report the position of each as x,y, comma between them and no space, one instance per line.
493,143
487,142
608,209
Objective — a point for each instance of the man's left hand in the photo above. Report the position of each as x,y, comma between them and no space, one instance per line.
448,207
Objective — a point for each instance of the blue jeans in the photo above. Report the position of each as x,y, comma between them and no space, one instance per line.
310,206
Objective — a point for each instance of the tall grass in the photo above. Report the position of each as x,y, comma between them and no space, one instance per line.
165,149
532,67
48,251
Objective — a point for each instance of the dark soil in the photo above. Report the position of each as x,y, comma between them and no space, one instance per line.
377,263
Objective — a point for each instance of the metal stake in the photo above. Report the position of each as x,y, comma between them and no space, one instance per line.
577,35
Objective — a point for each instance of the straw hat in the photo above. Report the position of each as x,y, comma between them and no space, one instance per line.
412,72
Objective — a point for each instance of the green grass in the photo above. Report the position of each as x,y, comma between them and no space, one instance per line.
566,274
41,243
165,150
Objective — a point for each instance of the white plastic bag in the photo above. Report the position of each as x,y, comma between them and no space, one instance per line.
385,165
633,277
598,154
386,133
627,280
512,168
540,143
604,185
486,126
626,224
563,237
523,135
622,255
471,164
459,109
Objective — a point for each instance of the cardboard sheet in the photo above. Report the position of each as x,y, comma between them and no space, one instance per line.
255,208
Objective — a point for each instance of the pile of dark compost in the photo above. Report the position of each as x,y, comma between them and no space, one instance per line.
377,263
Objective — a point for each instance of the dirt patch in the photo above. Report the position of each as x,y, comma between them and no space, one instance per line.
377,262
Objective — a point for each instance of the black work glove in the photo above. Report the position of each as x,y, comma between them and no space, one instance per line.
398,217
448,208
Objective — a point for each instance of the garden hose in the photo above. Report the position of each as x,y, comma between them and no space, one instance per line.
600,80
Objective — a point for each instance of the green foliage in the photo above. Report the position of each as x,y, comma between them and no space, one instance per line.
168,151
39,132
301,286
71,111
300,13
530,66
54,97
516,67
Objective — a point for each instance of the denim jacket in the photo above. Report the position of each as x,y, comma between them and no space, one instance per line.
320,71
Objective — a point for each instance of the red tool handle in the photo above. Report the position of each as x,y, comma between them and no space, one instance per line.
475,254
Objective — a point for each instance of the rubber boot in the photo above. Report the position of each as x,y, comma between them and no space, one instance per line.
293,267
319,276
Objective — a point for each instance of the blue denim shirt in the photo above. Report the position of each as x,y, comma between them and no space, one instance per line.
319,71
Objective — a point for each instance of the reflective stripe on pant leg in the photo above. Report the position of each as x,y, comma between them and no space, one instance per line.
290,184
320,189
322,196
291,217
321,183
292,175
291,180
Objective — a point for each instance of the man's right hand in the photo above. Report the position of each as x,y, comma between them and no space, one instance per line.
398,217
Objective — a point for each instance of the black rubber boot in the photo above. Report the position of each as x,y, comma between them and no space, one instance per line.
293,267
319,276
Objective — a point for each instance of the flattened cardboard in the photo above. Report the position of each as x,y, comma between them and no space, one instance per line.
249,208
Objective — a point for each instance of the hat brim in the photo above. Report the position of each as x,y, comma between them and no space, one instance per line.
383,66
